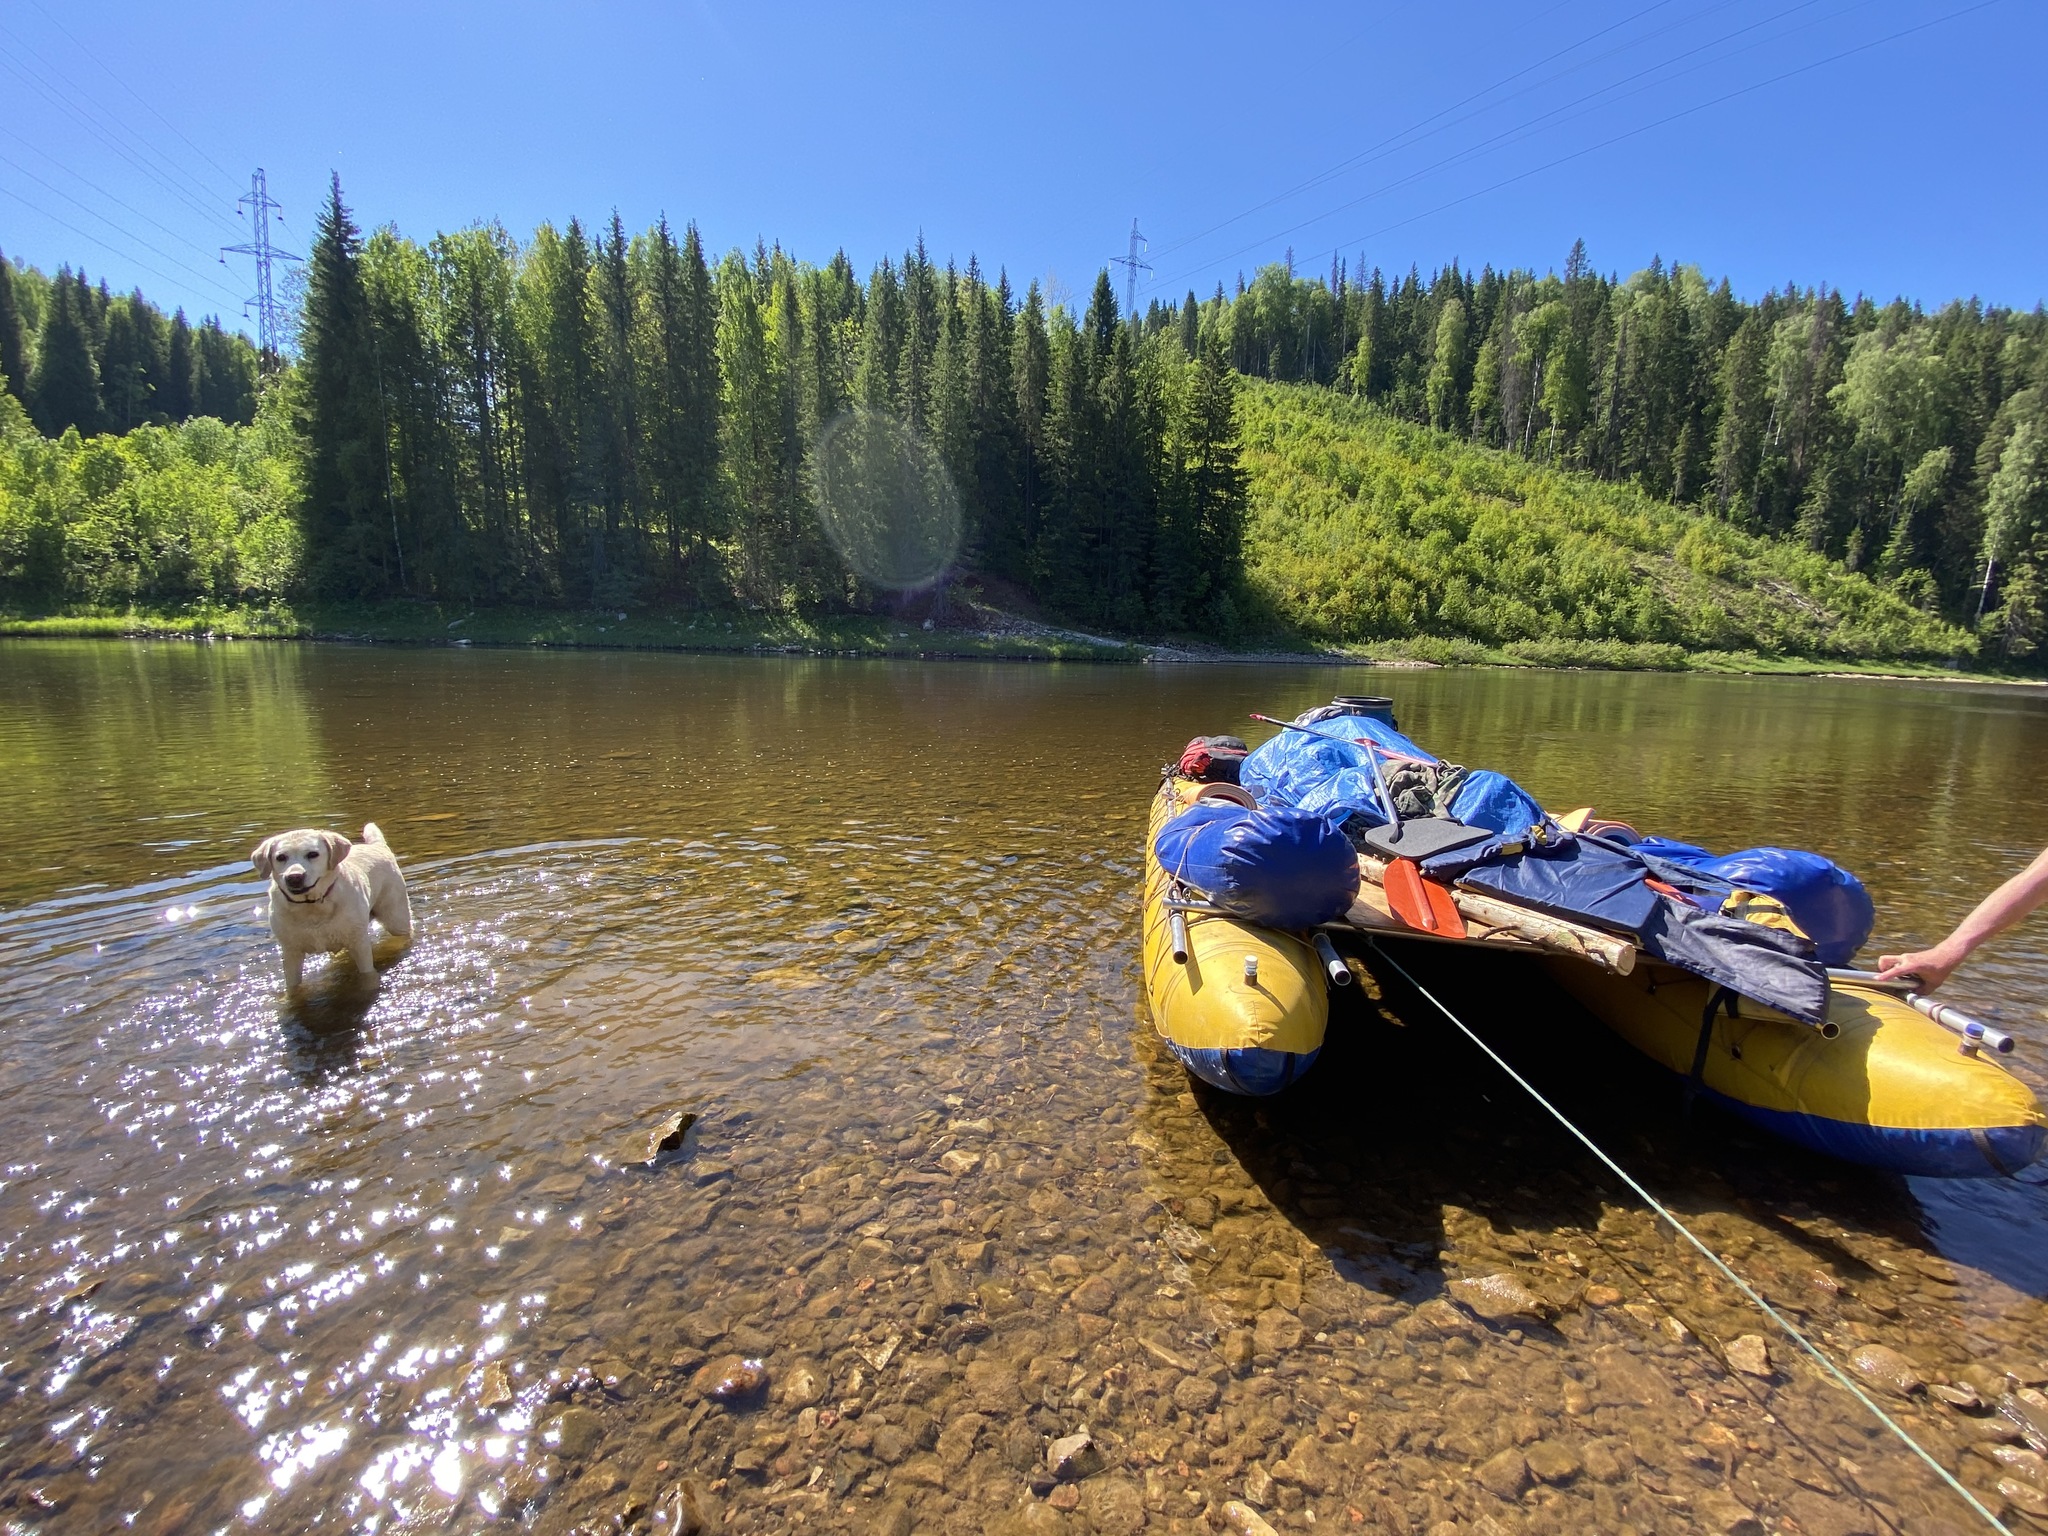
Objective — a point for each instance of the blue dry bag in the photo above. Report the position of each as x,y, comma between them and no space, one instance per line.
1281,868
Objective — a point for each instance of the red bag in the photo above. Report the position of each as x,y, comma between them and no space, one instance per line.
1212,759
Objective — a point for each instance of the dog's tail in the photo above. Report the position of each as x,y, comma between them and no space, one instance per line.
372,833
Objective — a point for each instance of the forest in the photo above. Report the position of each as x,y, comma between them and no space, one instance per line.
106,362
605,419
1912,448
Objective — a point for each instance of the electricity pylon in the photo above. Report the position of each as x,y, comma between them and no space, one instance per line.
270,315
1133,264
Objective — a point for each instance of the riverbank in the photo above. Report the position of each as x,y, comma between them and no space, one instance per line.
973,632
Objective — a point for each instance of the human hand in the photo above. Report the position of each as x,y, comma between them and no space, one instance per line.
1931,966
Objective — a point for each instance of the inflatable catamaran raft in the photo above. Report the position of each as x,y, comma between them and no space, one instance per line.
1727,971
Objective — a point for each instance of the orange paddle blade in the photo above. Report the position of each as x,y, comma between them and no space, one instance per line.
1421,903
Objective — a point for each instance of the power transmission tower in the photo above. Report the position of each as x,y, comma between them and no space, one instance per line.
270,315
1133,264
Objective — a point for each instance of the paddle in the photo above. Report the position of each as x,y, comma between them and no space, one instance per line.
1421,903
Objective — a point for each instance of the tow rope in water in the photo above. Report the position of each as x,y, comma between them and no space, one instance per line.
1712,1257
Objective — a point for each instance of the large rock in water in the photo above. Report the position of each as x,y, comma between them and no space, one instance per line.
1887,1368
1500,1299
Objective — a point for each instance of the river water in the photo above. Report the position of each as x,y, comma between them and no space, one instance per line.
386,1259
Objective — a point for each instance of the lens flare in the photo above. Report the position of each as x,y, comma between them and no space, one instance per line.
886,501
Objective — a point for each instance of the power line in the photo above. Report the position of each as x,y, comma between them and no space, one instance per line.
204,209
1554,116
119,202
111,224
109,70
83,234
1666,121
1349,161
145,143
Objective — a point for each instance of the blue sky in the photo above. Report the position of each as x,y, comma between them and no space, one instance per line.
1767,140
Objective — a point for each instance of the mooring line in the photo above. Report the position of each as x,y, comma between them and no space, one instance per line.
1712,1257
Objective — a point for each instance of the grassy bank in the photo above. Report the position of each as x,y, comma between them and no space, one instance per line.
858,636
407,623
1372,532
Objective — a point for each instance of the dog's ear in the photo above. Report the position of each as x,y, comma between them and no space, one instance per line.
261,857
337,848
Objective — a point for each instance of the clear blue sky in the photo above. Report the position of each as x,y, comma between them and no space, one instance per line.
1031,135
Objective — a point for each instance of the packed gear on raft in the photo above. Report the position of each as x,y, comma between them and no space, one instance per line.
1727,969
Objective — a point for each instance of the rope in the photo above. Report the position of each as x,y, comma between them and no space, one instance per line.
1712,1257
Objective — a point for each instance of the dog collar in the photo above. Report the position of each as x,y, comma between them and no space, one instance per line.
307,901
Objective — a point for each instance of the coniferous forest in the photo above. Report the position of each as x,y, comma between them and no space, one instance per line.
598,418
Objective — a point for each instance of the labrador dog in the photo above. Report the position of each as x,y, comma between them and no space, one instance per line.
324,891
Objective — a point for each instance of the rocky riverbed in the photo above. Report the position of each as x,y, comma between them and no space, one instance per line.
765,1133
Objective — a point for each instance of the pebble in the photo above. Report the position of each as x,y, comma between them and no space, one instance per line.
1094,1294
1552,1461
1602,1296
1505,1476
1887,1368
1276,1332
740,1382
1751,1355
1245,1520
802,1387
1258,1485
575,1432
494,1388
1196,1394
1958,1395
1073,1457
1238,1349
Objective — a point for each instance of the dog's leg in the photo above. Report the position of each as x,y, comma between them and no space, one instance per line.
294,969
394,910
359,951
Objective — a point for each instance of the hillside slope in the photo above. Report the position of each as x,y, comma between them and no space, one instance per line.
1364,529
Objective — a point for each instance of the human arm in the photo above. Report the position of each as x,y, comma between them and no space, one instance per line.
1995,913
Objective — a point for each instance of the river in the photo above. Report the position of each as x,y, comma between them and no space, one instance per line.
384,1258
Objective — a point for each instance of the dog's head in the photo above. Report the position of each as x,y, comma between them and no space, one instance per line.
301,864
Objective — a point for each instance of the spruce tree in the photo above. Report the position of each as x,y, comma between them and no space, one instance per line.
180,370
124,369
13,338
65,389
343,511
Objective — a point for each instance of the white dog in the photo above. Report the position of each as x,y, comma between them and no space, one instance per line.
324,890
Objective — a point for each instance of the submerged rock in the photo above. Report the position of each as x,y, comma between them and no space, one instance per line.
741,1382
1500,1298
575,1432
494,1388
1073,1457
1887,1368
1506,1476
1751,1356
1245,1520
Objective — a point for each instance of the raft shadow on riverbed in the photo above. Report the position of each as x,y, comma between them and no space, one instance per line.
1403,1126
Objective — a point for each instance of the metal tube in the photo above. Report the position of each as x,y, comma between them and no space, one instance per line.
1972,1030
1947,1015
1177,925
1340,973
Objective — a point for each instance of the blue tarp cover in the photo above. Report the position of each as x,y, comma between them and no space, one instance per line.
1828,903
1593,879
1325,774
1282,868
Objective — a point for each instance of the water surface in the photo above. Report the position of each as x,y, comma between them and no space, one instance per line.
380,1259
